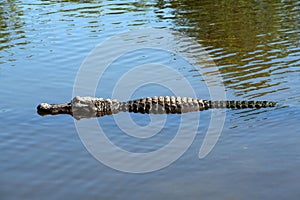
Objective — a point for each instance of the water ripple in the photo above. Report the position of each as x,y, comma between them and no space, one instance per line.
255,45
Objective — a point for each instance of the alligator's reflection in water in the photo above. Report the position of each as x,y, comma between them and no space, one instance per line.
88,107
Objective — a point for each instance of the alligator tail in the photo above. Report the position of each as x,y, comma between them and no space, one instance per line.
241,104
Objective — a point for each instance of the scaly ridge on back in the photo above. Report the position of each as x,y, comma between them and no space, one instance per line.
81,107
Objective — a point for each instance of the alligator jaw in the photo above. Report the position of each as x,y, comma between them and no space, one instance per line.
54,109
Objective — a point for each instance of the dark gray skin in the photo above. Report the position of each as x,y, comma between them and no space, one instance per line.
87,107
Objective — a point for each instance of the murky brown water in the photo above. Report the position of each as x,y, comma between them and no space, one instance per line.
255,46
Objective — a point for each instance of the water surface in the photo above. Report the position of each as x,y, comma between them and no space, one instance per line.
255,46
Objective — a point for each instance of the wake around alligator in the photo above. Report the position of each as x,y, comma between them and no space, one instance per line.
88,107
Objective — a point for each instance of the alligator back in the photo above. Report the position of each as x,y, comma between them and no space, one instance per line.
86,107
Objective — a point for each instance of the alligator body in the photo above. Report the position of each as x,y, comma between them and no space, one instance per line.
87,107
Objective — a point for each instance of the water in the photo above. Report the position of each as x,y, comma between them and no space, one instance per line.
255,46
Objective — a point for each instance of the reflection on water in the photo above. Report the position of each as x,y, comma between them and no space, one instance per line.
249,45
11,29
255,45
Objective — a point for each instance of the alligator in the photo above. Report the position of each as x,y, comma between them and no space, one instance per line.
88,107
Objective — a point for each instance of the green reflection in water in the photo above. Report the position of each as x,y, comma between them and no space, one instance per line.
11,24
249,40
11,29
